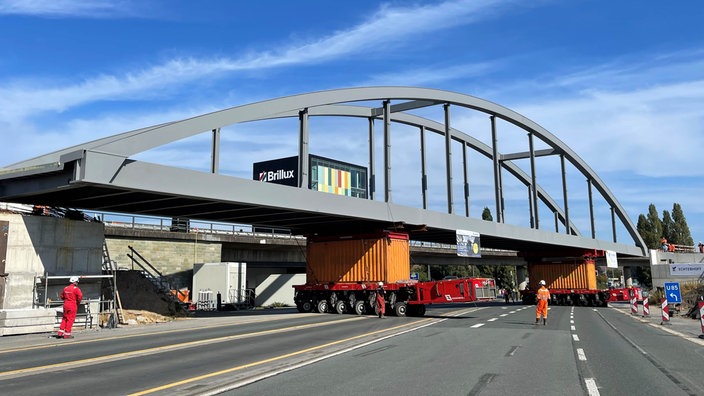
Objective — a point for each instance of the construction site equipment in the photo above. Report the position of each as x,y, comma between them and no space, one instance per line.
343,273
571,281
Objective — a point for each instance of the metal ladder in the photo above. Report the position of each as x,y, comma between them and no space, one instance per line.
109,267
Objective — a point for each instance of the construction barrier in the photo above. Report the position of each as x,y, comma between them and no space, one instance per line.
646,307
665,312
701,317
634,304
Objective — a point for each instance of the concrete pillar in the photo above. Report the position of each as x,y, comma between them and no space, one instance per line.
627,277
521,274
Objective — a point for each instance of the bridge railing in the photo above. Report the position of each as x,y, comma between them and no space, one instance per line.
165,224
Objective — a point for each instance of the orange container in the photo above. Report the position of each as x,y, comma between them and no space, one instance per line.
381,257
566,275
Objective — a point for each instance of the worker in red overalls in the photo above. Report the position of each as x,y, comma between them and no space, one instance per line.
72,296
381,300
543,298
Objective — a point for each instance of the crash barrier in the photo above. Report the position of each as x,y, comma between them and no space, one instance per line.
634,305
646,307
701,317
665,312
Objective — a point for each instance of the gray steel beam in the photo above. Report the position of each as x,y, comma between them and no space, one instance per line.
423,174
566,205
215,152
387,151
372,173
303,138
401,107
498,188
448,158
466,179
533,183
526,154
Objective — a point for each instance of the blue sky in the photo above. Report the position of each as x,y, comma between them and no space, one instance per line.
620,82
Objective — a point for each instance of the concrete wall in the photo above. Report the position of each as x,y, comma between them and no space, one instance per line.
173,258
278,288
39,246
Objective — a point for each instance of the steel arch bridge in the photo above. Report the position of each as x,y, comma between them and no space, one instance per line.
102,175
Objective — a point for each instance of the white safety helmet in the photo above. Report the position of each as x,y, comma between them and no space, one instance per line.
73,279
381,283
541,283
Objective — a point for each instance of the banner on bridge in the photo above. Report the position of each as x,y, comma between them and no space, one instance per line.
686,269
611,259
468,244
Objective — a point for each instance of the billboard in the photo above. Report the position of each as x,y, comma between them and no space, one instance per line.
325,175
280,171
468,244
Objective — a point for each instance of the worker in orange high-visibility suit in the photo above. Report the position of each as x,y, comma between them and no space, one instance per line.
72,296
543,298
381,300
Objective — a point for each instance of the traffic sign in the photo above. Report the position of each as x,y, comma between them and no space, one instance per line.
672,292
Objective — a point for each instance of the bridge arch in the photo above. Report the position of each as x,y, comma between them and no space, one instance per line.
395,102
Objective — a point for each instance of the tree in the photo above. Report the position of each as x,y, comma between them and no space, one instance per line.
680,231
650,228
668,227
486,214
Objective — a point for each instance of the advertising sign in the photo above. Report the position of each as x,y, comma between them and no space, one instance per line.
468,244
280,171
686,269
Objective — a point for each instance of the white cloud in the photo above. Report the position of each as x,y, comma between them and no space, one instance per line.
67,8
388,25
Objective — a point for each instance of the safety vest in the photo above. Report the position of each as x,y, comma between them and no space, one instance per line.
543,294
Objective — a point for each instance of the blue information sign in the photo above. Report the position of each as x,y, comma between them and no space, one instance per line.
414,275
672,292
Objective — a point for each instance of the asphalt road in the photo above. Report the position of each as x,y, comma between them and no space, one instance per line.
487,349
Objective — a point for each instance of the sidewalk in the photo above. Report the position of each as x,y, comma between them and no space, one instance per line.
684,327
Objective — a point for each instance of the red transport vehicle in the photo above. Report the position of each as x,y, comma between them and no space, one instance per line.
572,281
342,273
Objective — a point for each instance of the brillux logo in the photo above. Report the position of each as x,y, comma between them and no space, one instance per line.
280,174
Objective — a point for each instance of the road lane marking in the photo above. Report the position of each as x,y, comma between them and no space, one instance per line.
572,328
571,321
492,319
164,348
580,354
429,322
478,325
575,337
592,389
502,315
121,337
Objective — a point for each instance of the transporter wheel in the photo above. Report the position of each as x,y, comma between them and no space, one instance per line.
340,307
360,307
400,309
420,310
323,306
307,306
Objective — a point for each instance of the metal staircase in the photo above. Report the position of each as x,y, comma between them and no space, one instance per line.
160,282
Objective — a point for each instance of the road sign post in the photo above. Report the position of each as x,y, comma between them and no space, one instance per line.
672,293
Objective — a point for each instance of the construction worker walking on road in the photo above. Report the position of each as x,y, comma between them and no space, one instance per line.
381,300
72,296
543,298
